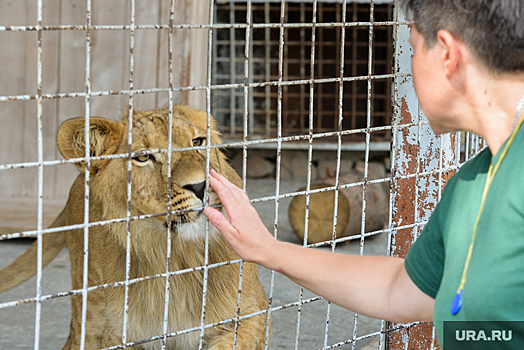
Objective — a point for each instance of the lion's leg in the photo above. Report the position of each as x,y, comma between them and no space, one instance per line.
68,345
95,322
95,309
113,335
251,335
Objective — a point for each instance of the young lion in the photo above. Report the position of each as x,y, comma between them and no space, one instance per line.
108,199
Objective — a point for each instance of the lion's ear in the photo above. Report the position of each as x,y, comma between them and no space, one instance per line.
104,138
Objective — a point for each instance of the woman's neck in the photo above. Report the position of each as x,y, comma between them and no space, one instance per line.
495,107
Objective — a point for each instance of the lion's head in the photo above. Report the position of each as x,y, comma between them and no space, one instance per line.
149,173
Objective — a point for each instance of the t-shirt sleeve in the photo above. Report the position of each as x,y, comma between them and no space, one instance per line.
424,262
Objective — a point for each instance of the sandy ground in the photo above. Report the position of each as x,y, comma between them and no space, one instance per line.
294,327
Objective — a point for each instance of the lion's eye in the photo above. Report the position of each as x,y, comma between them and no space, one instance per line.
199,141
144,158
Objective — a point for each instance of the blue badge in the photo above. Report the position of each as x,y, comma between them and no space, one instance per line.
457,303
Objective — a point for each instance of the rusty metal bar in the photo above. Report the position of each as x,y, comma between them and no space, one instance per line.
413,199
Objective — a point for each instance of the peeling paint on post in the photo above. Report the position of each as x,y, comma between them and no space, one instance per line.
421,161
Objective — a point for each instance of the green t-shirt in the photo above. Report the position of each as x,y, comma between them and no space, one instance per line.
494,289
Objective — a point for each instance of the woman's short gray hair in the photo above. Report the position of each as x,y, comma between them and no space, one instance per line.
492,29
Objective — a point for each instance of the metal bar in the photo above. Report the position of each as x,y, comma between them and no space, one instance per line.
249,69
56,153
207,326
246,130
393,90
40,181
158,50
129,168
87,173
406,160
194,88
339,150
302,65
366,153
189,270
196,26
208,149
232,70
310,154
283,37
278,161
252,315
33,233
117,284
267,88
165,325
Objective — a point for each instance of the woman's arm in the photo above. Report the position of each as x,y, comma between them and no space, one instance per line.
374,286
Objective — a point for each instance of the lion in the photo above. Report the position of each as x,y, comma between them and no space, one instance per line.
108,199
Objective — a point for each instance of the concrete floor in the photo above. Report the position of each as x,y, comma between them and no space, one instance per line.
17,324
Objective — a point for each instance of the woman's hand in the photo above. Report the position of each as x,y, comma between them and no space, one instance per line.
374,286
245,233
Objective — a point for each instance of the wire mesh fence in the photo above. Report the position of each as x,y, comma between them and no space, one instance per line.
329,80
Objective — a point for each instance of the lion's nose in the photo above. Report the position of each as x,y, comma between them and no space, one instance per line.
197,189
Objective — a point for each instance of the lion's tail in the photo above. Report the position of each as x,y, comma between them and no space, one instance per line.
25,266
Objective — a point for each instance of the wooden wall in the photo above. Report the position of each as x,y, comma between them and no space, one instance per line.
64,57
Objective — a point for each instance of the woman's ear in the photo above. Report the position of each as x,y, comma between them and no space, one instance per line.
450,54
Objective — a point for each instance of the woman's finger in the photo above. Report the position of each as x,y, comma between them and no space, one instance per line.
219,221
236,192
223,181
226,196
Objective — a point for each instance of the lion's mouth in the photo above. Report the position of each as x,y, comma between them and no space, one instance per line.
181,221
184,218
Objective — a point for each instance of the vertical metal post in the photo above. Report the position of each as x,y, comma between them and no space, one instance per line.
310,152
87,173
208,150
40,181
279,159
165,326
232,70
129,168
420,166
267,72
339,145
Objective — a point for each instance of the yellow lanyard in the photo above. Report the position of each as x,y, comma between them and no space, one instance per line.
457,301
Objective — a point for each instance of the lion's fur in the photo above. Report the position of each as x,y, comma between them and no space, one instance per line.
107,244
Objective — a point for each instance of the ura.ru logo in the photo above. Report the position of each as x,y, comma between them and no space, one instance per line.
480,335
